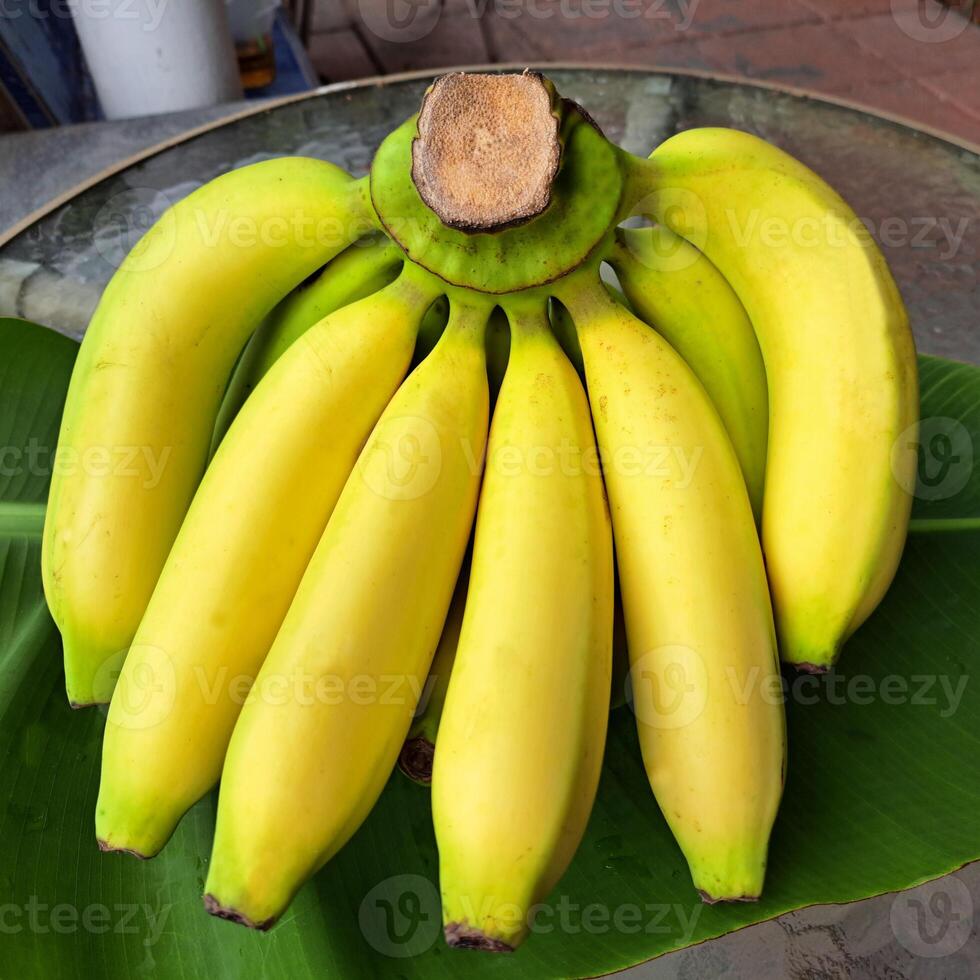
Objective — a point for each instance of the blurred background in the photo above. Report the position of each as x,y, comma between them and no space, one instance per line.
66,62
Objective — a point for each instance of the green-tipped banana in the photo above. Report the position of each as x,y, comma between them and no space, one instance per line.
361,269
148,383
238,560
675,289
323,725
841,369
704,672
523,730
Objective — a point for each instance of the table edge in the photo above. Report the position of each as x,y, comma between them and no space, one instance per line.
267,105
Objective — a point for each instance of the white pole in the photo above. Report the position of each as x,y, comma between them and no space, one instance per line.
149,56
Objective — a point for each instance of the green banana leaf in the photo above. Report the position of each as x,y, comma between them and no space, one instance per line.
883,787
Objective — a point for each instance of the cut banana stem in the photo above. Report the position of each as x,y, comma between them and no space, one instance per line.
705,684
676,289
417,752
841,369
523,728
148,383
361,269
324,723
217,606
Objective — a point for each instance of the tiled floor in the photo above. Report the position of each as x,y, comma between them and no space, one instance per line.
913,58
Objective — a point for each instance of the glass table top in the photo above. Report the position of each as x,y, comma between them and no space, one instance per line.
918,194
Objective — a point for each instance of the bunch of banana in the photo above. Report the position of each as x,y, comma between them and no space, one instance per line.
304,415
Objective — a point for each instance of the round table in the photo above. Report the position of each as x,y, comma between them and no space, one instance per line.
919,195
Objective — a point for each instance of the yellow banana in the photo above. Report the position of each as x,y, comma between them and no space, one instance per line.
704,674
238,559
361,269
841,369
564,328
323,725
523,729
148,382
498,342
677,290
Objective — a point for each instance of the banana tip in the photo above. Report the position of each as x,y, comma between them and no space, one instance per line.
461,936
78,705
214,907
810,668
712,900
108,848
416,759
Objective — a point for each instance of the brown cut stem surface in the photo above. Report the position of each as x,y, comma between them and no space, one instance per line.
487,149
